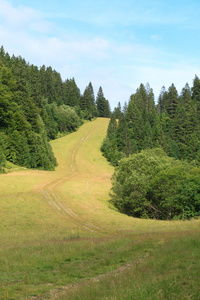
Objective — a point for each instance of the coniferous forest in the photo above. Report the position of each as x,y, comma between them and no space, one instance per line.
156,149
36,106
172,124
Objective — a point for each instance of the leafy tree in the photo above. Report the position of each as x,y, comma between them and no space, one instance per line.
68,120
152,185
175,192
131,181
49,115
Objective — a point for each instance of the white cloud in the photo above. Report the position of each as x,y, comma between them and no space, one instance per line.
22,18
118,67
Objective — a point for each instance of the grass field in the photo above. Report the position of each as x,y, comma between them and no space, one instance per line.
61,239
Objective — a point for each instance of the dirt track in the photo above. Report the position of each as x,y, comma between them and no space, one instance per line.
50,190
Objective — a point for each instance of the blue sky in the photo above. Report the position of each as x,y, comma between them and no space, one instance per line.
114,44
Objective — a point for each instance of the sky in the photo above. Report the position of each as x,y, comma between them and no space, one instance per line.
114,44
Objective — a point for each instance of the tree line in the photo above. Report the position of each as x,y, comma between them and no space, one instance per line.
142,188
36,106
172,124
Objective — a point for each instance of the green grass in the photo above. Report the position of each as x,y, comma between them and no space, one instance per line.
170,271
61,239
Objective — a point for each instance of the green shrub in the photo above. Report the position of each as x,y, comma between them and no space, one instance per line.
152,185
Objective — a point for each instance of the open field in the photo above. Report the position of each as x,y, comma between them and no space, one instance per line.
61,239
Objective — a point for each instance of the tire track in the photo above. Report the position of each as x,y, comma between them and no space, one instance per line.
57,203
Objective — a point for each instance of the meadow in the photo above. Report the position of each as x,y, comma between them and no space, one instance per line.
61,238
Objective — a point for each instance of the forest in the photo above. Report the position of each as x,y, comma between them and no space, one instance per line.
172,124
156,151
154,147
36,106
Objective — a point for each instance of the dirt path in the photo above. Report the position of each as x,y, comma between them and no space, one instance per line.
50,189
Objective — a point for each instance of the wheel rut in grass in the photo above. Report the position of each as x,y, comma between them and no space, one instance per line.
72,289
60,205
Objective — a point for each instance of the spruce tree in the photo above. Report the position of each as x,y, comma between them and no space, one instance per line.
112,128
71,93
34,84
103,106
162,99
117,111
172,101
196,94
100,102
87,103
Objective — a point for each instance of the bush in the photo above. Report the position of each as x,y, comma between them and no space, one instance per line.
110,151
152,185
68,120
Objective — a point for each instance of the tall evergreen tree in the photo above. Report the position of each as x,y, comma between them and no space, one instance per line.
87,103
103,106
196,93
162,99
71,93
112,128
100,101
172,101
117,111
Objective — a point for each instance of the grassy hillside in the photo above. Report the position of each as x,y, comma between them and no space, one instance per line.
61,239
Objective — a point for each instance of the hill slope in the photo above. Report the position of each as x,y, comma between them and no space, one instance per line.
60,236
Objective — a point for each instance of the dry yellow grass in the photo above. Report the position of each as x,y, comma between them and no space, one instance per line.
86,189
78,191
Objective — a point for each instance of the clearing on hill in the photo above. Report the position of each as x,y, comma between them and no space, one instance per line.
61,239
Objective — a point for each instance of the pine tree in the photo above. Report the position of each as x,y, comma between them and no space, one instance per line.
87,103
172,101
35,85
107,112
2,53
162,99
112,128
43,82
133,119
117,111
100,101
50,86
103,106
71,93
196,94
90,88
